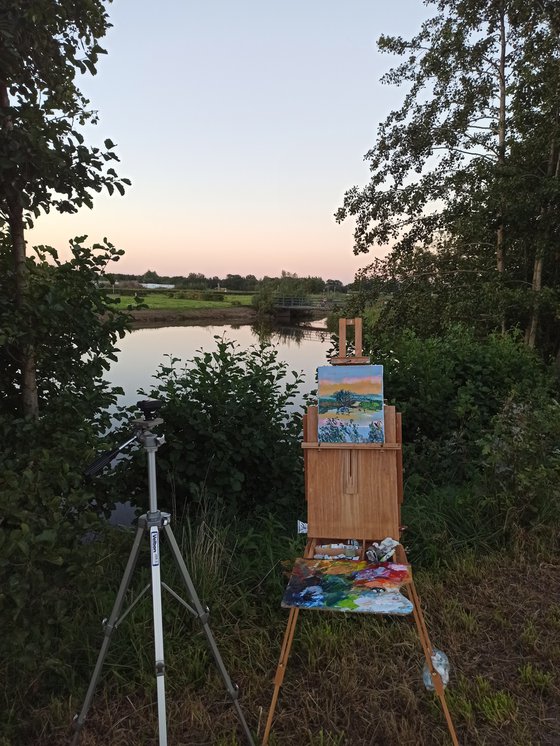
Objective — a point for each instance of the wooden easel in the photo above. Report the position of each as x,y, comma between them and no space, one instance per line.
355,490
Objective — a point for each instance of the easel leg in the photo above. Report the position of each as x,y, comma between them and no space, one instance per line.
428,651
285,652
281,670
110,626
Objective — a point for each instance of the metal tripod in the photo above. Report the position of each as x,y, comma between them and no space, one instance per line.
152,523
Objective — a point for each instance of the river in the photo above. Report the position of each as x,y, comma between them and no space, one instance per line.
143,350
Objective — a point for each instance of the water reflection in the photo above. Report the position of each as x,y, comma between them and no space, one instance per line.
142,351
284,335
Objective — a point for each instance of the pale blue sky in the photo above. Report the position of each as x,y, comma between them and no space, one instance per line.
241,124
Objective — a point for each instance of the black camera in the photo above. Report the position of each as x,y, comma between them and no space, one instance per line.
149,408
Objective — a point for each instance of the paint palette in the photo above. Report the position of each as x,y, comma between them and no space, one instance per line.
348,586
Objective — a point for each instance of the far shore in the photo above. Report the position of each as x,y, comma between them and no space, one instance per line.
153,317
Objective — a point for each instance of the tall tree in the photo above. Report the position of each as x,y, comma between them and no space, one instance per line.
543,84
44,163
468,163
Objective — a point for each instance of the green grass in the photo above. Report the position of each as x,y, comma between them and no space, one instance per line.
161,302
534,677
350,679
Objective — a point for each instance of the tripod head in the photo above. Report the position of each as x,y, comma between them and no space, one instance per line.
149,408
142,433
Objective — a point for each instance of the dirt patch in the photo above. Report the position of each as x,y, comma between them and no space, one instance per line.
237,315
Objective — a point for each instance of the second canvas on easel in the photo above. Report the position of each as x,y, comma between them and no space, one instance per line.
350,404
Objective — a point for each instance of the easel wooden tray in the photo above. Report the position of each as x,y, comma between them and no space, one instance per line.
354,446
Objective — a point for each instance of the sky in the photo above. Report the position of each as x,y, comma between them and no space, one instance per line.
241,124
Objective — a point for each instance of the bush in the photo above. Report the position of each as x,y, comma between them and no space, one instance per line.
514,494
231,430
263,300
211,295
448,389
520,481
71,321
47,510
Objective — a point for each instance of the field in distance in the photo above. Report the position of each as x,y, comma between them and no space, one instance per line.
161,302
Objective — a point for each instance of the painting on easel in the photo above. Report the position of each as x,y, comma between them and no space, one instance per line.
350,404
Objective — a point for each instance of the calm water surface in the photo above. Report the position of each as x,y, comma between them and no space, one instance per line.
143,350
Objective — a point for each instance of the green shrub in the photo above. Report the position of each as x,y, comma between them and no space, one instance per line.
514,493
263,300
212,295
521,476
232,432
47,510
448,389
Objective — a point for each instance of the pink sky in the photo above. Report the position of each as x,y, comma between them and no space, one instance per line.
241,125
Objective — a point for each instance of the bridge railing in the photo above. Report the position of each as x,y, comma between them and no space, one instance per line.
301,301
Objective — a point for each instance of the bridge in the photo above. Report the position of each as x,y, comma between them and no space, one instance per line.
302,303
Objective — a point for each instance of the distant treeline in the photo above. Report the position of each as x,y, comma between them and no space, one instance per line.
287,282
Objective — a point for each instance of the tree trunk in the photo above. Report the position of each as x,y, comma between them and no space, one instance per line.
532,329
500,233
552,171
26,352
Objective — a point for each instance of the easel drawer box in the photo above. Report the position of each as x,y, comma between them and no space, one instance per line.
346,492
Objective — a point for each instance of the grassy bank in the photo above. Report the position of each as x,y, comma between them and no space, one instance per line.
177,302
160,308
350,680
159,317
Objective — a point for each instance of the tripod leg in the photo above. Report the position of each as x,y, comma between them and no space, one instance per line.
203,617
158,633
109,629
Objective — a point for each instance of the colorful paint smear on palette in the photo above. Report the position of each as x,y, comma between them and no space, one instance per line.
345,585
350,403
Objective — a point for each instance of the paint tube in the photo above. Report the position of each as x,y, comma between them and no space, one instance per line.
441,664
382,551
337,551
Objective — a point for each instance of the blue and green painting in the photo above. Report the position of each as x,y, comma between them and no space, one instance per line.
346,585
350,403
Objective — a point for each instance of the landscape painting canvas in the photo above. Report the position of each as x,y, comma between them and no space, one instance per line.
350,404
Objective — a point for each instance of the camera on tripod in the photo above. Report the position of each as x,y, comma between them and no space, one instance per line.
142,427
149,408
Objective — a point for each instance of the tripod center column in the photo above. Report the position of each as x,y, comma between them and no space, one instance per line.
151,445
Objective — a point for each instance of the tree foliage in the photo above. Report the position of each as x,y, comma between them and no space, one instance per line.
47,510
232,431
464,184
44,163
72,322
